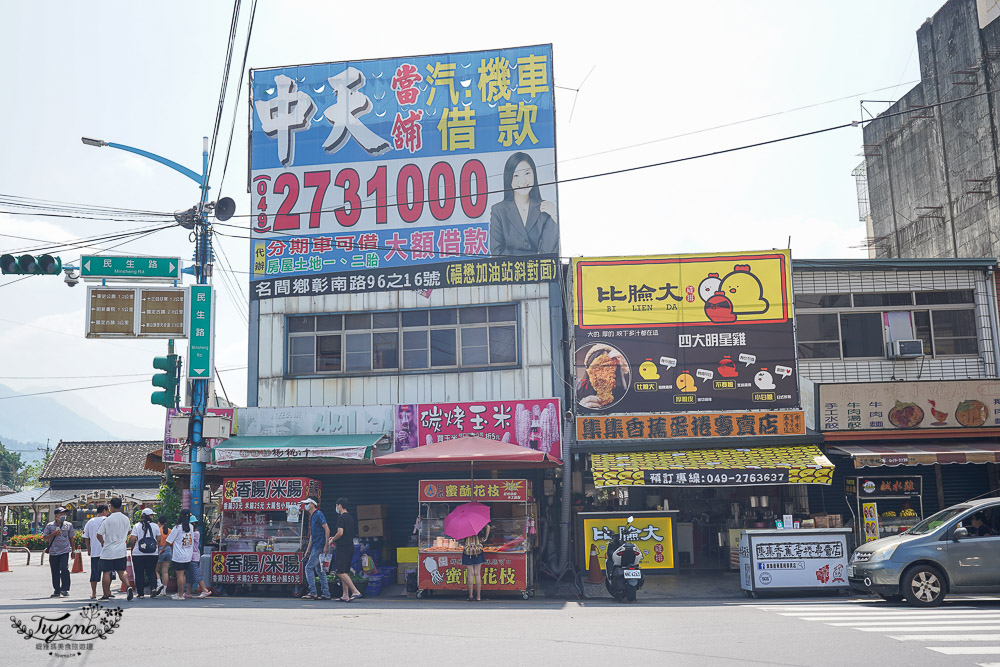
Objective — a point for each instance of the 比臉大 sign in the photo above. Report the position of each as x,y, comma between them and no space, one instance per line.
684,333
377,175
931,404
653,535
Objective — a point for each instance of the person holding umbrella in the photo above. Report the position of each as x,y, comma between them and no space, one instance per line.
470,523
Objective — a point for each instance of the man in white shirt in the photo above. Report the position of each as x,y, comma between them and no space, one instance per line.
94,548
112,535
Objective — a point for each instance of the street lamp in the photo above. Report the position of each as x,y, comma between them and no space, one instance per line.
199,399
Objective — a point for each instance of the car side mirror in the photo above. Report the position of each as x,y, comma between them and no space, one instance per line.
960,533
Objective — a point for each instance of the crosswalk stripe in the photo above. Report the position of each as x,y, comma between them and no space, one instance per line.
947,638
923,628
893,617
966,650
989,664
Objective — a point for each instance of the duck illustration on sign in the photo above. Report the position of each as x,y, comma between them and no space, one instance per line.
685,382
744,291
763,379
647,370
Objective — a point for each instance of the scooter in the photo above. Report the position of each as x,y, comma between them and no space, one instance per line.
622,575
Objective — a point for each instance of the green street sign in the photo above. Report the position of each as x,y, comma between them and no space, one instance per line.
98,267
200,364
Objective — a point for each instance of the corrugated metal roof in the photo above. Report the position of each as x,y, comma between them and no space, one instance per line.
46,496
102,458
895,264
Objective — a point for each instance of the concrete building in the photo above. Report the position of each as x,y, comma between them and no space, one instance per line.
932,158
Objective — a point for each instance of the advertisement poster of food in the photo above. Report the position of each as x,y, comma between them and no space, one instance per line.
870,519
684,333
386,174
938,404
528,423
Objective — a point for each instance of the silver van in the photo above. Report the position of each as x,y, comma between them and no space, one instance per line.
956,550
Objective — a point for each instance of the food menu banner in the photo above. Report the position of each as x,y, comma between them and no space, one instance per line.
374,169
684,333
265,567
534,424
266,493
884,406
487,490
500,571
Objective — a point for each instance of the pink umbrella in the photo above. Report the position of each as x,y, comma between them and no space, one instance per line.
466,520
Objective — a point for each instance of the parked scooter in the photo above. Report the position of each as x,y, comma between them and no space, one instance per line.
622,575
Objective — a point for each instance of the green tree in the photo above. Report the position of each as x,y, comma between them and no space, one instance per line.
28,475
10,467
169,498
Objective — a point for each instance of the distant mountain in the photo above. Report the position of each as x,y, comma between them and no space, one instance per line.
33,419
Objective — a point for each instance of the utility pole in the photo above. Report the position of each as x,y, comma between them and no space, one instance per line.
203,272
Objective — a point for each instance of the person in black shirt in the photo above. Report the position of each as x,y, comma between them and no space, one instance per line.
979,527
344,541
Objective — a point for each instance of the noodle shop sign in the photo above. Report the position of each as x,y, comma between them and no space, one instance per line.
266,493
486,490
887,406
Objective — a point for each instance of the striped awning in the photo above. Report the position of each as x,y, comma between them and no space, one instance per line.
907,454
743,466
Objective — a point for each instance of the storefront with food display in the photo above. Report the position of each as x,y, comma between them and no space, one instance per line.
904,450
508,505
687,399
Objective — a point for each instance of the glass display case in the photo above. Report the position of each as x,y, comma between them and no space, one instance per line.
506,535
260,531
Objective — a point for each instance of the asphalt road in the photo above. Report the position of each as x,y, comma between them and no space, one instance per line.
397,630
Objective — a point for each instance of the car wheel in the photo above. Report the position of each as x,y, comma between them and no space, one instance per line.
923,585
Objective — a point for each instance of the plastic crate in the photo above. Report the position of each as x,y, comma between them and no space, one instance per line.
374,585
388,573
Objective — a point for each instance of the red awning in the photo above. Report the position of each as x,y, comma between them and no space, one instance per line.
470,449
908,454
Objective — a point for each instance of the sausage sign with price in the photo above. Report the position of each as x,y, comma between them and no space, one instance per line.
382,167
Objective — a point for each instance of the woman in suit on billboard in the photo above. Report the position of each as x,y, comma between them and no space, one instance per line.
522,224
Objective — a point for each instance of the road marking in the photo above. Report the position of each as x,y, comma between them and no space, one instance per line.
885,618
966,650
947,638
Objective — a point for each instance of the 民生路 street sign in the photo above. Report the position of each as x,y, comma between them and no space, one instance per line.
97,267
201,318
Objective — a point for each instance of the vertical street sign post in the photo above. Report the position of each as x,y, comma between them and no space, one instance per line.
200,362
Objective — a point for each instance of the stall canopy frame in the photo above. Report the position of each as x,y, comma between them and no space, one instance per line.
871,455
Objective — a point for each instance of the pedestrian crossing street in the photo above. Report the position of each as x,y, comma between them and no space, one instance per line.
964,626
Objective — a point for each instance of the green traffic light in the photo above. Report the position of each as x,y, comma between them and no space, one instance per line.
167,381
31,265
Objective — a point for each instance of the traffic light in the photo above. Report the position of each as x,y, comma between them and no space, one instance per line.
167,381
41,265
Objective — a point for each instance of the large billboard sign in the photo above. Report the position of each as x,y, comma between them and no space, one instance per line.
364,170
684,333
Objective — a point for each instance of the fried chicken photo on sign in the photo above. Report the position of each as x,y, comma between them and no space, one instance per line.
603,376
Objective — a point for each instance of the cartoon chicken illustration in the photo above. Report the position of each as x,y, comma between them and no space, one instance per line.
685,382
745,291
709,286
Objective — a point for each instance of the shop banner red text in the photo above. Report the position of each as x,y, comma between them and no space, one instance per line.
268,567
501,572
487,490
266,493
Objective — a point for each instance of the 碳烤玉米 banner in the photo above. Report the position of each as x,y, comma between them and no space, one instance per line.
684,333
387,172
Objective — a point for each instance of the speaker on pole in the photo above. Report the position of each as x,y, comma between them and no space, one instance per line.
225,208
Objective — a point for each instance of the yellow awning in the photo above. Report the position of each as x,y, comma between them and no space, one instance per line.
803,464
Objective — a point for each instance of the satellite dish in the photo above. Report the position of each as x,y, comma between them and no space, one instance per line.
225,208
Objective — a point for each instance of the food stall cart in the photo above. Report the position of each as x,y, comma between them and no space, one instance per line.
509,555
885,505
789,559
261,533
508,551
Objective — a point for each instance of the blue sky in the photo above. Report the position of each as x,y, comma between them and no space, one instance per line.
148,75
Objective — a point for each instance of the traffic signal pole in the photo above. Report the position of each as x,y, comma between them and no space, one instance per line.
203,271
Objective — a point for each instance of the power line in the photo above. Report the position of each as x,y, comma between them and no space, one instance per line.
231,43
95,386
239,88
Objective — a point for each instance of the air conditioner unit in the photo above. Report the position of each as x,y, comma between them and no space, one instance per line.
906,349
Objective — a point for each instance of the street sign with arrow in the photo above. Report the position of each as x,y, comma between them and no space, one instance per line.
200,364
130,269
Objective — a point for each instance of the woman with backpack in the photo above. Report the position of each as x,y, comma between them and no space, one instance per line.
181,542
145,543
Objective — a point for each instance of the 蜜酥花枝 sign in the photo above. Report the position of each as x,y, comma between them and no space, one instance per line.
393,174
684,333
919,405
501,571
266,493
487,490
534,424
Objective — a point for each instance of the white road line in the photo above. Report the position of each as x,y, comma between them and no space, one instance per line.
989,664
888,618
947,638
966,650
915,621
927,628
